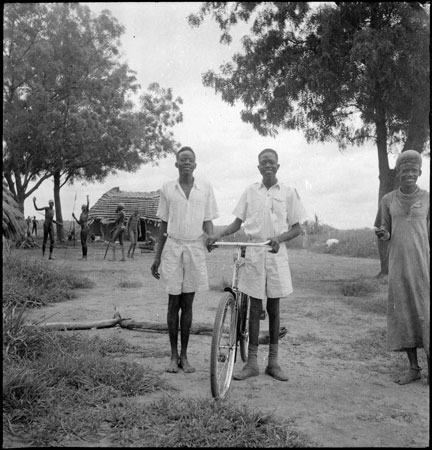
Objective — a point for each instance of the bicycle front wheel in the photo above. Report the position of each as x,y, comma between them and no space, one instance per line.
223,346
243,326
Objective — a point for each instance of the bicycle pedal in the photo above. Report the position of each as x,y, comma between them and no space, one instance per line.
263,315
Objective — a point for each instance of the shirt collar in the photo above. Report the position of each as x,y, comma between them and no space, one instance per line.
262,186
196,184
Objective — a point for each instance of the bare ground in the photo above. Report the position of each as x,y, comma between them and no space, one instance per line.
340,392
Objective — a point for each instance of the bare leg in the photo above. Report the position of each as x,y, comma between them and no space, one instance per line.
186,302
173,325
413,373
122,250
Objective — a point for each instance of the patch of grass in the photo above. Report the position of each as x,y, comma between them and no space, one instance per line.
366,295
309,338
124,283
360,287
180,422
35,283
62,392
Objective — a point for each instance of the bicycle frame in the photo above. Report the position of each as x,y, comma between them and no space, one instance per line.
226,337
240,247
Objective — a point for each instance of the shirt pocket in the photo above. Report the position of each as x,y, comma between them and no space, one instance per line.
279,208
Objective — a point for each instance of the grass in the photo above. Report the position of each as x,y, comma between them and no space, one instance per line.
35,283
63,388
179,422
124,283
358,243
366,294
66,388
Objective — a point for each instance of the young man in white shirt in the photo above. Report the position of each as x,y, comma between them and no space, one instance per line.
270,211
186,208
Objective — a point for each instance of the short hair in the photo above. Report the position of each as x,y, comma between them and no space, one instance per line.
409,156
184,149
50,201
266,150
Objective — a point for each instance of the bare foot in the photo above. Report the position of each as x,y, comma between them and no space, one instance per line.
409,377
184,364
173,366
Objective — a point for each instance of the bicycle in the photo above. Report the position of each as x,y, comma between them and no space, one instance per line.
231,326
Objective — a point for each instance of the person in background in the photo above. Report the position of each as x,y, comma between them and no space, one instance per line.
133,227
118,231
187,208
83,223
28,222
405,222
48,226
270,211
35,225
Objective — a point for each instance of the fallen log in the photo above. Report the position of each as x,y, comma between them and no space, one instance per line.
155,327
62,326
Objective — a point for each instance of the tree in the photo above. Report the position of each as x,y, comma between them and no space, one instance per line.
69,109
349,72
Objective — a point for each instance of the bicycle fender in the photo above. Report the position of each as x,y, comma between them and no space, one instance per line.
229,289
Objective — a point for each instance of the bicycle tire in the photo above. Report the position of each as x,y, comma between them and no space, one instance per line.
243,326
223,346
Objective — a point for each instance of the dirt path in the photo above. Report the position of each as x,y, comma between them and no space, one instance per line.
340,392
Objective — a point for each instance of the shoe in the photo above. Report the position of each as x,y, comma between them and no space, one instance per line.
276,372
246,372
51,257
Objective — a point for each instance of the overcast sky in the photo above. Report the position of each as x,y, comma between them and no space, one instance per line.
341,188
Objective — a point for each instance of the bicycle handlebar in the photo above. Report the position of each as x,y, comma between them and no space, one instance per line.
242,244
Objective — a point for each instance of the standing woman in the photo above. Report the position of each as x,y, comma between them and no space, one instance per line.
83,223
405,222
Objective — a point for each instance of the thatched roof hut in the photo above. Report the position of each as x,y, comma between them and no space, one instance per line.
14,226
103,212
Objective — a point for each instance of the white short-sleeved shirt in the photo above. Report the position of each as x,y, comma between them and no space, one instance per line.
185,216
269,212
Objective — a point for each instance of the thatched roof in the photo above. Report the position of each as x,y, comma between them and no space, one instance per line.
13,221
146,203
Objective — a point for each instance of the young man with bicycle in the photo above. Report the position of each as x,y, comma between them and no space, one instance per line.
272,211
187,207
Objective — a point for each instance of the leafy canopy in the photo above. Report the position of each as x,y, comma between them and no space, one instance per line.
336,71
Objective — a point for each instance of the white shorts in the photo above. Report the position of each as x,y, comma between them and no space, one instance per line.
183,266
265,274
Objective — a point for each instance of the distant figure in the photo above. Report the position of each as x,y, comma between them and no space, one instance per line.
35,225
28,222
405,222
133,231
150,240
118,231
48,226
83,223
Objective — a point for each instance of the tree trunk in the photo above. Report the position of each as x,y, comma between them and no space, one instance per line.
58,210
387,180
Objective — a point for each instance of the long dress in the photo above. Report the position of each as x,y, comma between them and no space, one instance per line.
407,218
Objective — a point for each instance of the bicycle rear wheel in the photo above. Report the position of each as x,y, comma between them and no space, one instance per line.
243,326
223,346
